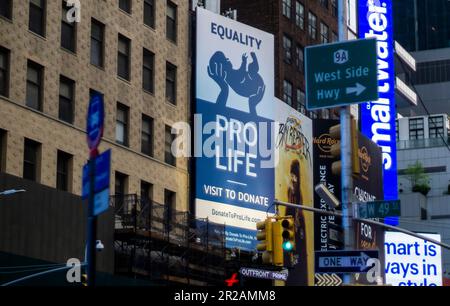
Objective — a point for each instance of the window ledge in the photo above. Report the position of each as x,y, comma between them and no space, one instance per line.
153,29
37,35
124,80
98,67
6,19
126,13
69,51
171,104
148,92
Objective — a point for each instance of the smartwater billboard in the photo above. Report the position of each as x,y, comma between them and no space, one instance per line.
294,184
411,261
233,126
378,117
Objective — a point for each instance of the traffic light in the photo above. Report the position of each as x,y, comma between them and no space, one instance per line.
288,233
335,132
84,280
265,236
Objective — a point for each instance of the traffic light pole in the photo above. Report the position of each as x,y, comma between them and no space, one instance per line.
346,159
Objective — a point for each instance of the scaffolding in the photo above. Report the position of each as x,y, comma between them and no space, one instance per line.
166,247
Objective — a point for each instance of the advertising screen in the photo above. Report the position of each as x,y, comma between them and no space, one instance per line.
411,261
233,126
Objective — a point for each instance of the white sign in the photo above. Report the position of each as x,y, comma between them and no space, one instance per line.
411,261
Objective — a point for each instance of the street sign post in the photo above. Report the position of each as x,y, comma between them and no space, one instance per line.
379,209
344,261
94,130
264,274
341,73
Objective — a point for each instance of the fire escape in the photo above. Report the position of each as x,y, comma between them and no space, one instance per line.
165,247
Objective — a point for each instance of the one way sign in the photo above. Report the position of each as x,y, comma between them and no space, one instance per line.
344,261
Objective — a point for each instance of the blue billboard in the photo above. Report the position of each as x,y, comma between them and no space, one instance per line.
233,126
378,117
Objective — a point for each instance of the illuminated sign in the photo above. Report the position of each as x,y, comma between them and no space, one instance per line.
378,117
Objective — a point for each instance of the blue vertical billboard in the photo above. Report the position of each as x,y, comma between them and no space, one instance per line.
233,127
378,117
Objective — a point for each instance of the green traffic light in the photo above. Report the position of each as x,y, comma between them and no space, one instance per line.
288,246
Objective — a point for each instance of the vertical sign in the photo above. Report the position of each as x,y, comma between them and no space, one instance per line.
233,126
293,184
378,117
323,160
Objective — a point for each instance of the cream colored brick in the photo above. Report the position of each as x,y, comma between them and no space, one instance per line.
55,135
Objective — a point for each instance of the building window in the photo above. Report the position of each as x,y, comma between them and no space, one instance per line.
30,160
171,83
397,134
6,8
323,33
287,48
120,186
287,92
36,22
416,129
169,158
148,71
324,3
63,170
66,99
301,100
3,146
147,135
146,192
334,8
170,210
4,72
436,127
287,7
123,58
300,15
171,21
68,30
299,58
312,115
149,13
334,37
312,25
122,124
125,5
325,114
34,85
97,42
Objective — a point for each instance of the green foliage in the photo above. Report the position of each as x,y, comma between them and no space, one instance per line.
418,178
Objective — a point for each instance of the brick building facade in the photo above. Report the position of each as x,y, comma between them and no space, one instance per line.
133,52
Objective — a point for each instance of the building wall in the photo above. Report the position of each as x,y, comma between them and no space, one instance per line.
20,121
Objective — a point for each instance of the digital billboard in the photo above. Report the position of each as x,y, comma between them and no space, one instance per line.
233,126
411,261
377,118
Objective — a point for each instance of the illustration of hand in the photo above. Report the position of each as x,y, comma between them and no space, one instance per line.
217,72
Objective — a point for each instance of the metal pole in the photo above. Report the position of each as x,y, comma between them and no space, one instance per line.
338,214
92,225
346,170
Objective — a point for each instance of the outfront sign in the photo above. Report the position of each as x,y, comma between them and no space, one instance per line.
378,117
341,73
233,126
264,274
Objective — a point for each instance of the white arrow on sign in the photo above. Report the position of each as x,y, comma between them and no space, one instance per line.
358,89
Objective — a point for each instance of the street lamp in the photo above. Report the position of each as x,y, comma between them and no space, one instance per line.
12,191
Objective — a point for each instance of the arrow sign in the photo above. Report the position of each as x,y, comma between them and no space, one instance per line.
343,261
327,280
358,89
341,73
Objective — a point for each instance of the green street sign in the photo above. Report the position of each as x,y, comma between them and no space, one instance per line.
379,209
341,73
